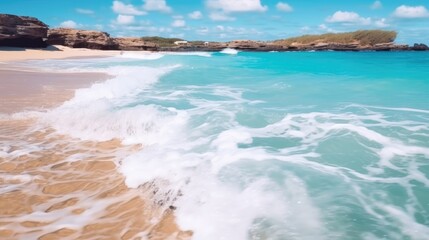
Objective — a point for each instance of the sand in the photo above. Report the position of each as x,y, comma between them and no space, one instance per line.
56,187
8,54
27,89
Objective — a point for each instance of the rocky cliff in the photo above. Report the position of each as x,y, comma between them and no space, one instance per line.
18,31
96,40
81,39
363,40
134,44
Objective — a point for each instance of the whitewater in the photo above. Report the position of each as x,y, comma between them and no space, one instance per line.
297,145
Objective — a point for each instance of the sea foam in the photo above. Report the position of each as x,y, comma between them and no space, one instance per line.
293,175
229,51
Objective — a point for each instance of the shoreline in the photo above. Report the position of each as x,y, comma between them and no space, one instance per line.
12,54
65,179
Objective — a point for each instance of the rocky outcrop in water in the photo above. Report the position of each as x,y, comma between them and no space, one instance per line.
81,39
16,31
420,47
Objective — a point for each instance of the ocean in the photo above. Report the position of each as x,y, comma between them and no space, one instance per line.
243,145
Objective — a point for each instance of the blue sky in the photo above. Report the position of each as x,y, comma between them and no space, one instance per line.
225,20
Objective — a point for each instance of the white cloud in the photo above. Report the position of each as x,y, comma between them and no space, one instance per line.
325,28
195,15
220,28
381,23
284,7
234,32
125,19
84,11
178,23
156,5
237,5
411,12
377,5
68,24
126,9
220,16
348,18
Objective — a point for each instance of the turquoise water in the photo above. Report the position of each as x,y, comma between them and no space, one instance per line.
299,145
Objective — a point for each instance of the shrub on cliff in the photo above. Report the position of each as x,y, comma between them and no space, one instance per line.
364,37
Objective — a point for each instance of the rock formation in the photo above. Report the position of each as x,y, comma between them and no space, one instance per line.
18,31
134,44
96,40
196,46
246,45
420,47
81,39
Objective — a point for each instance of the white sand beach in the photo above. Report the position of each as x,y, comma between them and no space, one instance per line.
8,54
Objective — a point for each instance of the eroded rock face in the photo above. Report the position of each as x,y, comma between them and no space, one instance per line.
81,39
246,44
17,31
135,44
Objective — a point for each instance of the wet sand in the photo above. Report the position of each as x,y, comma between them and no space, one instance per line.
28,89
53,186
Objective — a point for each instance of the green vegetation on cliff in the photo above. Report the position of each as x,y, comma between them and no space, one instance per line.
161,41
364,37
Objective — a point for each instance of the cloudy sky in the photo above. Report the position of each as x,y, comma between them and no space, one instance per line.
224,20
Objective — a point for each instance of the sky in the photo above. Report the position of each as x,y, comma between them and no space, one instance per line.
225,20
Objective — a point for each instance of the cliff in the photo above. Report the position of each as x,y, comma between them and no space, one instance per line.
81,39
377,40
18,31
96,40
135,44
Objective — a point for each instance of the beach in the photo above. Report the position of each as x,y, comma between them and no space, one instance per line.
62,187
216,145
9,54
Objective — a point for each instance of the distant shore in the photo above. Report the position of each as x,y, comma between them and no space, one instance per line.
29,32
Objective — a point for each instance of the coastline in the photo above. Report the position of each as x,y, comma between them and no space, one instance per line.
64,179
11,54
